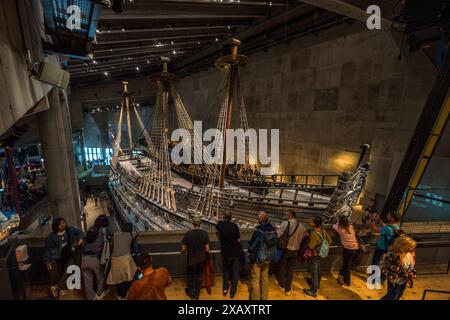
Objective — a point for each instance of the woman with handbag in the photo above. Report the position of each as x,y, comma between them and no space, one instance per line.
398,265
123,267
351,248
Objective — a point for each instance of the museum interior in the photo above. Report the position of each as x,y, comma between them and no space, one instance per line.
167,116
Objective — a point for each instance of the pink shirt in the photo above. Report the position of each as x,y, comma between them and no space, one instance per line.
348,240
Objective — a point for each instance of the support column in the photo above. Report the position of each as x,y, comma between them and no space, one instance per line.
56,141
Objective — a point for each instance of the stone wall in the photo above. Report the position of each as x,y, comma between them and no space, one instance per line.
328,95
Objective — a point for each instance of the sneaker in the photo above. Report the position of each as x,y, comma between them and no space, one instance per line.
225,292
103,294
55,292
188,294
278,285
288,293
309,293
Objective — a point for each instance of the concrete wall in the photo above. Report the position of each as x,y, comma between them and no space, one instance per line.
328,95
19,92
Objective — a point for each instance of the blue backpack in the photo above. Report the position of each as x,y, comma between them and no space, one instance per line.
324,246
267,247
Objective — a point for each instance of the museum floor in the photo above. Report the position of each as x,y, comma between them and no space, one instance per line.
330,290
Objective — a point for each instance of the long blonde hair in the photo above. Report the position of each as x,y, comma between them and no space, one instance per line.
403,244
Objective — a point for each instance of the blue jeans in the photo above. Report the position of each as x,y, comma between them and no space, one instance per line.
285,273
376,260
316,273
230,274
395,291
195,274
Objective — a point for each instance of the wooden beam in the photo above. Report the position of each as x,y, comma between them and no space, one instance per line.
348,10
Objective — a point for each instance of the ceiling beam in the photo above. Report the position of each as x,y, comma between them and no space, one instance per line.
347,10
275,3
129,30
215,34
267,24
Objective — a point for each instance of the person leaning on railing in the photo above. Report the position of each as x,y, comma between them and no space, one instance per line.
59,252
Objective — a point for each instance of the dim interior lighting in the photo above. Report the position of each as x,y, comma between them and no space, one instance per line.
138,105
174,52
123,29
94,62
198,42
217,39
137,68
148,61
106,73
98,31
228,27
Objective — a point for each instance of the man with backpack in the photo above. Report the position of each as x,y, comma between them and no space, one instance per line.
319,244
290,235
388,233
262,250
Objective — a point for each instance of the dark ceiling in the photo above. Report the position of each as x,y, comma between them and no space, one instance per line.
193,33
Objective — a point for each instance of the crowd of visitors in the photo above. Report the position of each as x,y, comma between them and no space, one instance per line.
28,194
113,259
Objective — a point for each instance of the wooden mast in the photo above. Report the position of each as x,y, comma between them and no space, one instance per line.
127,106
233,72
